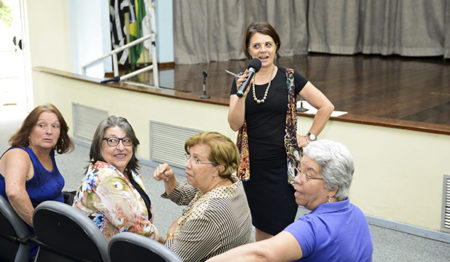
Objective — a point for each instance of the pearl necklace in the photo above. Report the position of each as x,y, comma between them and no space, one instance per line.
260,101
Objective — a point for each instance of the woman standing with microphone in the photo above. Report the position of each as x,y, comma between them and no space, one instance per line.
268,141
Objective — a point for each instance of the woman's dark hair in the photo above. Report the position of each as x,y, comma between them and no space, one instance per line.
95,153
21,137
262,28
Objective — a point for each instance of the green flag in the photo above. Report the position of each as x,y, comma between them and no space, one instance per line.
136,31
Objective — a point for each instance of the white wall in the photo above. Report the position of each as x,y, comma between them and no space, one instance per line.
90,36
49,33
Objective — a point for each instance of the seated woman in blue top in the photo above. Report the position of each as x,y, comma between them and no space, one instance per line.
28,172
335,229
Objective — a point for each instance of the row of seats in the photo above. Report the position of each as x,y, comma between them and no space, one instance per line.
65,234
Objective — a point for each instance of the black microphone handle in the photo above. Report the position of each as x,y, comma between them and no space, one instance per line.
114,79
204,87
205,74
251,73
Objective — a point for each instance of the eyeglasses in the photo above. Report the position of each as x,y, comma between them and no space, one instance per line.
114,141
197,161
307,177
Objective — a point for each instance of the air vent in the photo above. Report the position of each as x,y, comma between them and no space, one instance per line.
445,226
86,120
167,143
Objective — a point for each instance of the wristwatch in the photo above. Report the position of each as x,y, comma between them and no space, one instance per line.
311,136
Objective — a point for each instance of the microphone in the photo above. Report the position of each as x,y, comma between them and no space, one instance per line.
205,74
204,96
253,68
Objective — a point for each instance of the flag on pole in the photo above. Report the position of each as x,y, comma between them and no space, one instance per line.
117,10
136,30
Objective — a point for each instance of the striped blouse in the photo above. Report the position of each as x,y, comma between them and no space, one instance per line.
212,223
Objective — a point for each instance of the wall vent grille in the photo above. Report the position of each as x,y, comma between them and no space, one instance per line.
86,120
445,226
167,143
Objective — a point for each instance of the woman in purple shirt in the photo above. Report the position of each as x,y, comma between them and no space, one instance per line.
334,230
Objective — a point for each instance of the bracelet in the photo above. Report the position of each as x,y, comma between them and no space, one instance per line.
170,235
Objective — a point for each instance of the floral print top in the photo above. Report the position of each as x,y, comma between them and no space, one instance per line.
110,200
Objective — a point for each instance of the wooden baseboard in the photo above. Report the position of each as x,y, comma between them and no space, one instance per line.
166,65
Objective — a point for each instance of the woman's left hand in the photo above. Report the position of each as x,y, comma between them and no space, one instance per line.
302,141
172,228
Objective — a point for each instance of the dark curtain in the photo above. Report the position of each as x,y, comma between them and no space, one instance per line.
212,30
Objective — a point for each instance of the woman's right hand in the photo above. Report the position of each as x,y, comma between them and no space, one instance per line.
163,172
241,79
236,111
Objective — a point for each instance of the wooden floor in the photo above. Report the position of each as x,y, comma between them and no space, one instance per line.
411,90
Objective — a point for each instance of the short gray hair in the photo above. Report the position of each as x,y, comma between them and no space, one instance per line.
336,165
95,153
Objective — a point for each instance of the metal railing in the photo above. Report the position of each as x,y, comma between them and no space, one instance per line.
113,53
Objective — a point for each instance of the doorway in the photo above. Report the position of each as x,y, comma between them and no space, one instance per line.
14,93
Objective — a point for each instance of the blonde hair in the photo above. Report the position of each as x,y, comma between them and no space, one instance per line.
223,151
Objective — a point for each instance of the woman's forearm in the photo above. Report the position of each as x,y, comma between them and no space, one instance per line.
236,112
321,118
319,101
21,203
170,185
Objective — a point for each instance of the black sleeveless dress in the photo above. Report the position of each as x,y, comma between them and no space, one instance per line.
270,196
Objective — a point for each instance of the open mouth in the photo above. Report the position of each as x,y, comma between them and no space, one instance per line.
263,58
120,156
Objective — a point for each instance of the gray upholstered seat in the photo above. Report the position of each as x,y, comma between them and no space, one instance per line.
132,247
14,235
66,234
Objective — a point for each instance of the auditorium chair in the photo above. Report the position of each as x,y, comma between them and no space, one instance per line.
65,234
14,235
132,247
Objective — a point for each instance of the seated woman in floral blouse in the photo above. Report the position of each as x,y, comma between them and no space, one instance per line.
112,193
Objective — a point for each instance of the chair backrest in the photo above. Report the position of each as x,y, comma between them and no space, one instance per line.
65,234
132,247
14,235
